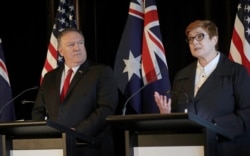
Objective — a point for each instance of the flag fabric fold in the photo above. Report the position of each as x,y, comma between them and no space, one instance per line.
141,66
65,18
240,42
7,109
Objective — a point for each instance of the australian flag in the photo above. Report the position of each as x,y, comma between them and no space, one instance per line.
7,110
141,66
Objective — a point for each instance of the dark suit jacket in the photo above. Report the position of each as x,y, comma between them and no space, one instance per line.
223,99
91,97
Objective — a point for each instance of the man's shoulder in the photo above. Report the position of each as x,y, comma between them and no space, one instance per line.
53,72
97,65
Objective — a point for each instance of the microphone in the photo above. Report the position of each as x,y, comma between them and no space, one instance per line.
42,111
180,99
27,102
133,95
10,101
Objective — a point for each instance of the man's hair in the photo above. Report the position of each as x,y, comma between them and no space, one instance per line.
65,31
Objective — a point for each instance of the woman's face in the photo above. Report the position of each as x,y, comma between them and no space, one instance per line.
200,44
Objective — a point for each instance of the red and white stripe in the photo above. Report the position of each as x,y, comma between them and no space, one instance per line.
240,47
51,58
4,72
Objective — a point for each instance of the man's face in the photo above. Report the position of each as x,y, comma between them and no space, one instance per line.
72,48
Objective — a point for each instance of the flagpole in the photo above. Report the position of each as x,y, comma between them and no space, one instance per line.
77,13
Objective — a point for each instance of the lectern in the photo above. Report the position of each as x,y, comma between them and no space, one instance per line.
165,130
39,135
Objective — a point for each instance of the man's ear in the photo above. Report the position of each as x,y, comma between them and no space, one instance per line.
60,51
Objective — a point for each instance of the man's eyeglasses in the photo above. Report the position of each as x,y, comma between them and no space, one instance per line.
197,37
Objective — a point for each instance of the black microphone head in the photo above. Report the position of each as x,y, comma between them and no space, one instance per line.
27,102
180,100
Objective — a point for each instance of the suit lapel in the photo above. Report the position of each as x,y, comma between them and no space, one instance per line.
58,83
83,69
186,81
214,80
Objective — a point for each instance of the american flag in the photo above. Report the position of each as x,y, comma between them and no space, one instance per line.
7,109
65,18
141,65
240,43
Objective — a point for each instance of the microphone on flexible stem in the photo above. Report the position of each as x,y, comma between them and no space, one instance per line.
133,95
10,101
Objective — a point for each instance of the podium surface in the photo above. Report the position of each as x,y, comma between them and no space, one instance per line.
172,121
39,135
153,121
169,130
28,129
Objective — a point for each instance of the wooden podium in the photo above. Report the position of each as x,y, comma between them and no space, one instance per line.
39,135
165,130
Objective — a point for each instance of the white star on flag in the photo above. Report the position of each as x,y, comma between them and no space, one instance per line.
133,65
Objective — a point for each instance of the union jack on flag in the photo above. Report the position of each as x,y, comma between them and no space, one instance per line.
65,18
140,65
240,43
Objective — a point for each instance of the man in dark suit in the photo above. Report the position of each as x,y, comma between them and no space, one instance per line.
92,95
